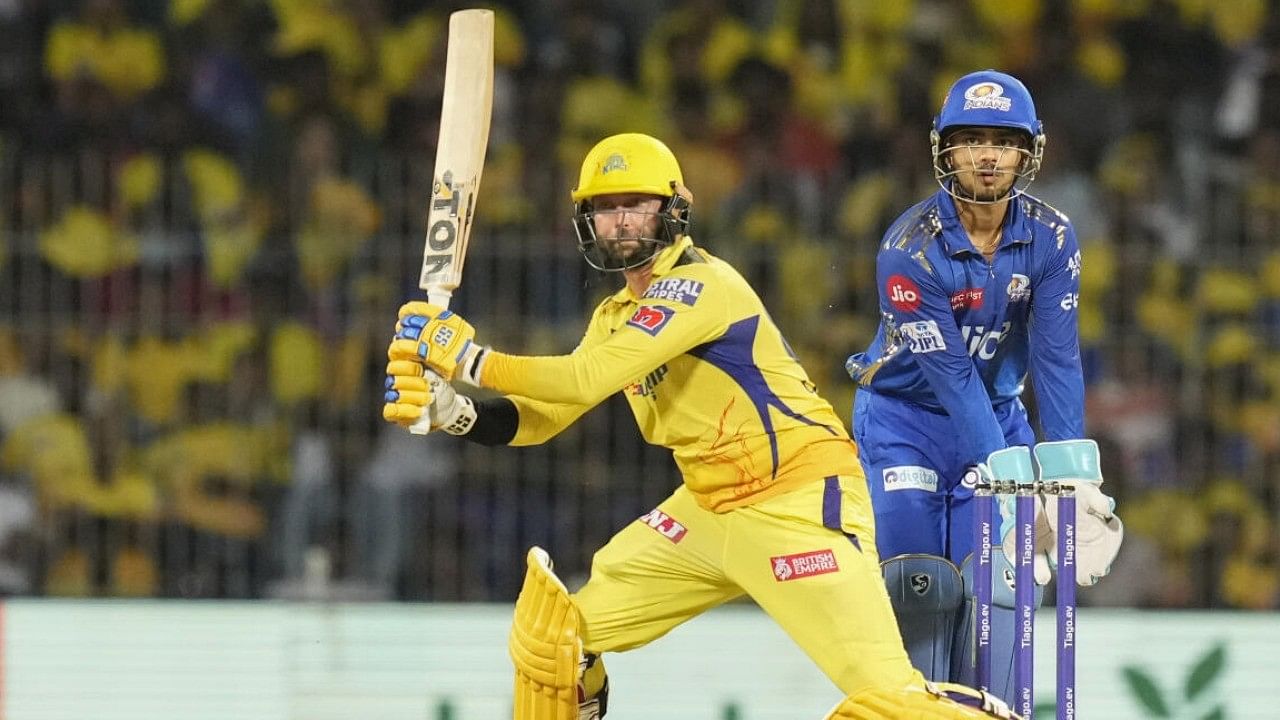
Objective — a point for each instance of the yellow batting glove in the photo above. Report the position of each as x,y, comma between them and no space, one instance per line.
408,394
439,339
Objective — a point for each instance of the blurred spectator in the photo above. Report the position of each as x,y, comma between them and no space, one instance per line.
224,87
388,493
307,516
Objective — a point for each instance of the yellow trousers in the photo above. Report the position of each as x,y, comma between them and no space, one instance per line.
806,557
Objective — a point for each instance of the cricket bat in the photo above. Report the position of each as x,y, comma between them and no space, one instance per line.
464,136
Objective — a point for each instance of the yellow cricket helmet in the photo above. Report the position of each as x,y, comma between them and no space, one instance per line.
628,163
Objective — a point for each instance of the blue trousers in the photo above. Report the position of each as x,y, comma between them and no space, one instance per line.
915,469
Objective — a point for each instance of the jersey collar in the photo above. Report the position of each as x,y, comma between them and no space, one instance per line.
956,241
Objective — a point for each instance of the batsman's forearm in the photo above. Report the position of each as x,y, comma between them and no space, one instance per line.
497,422
578,379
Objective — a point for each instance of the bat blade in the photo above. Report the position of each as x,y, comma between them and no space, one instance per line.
464,136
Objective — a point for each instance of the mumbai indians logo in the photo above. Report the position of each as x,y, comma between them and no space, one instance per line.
613,162
986,96
1019,288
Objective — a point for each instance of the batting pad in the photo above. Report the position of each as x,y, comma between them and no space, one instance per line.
921,702
545,645
927,594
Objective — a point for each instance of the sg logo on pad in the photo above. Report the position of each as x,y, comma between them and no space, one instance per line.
920,583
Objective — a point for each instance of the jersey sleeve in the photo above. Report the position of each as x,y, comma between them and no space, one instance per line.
912,295
1055,340
540,421
660,329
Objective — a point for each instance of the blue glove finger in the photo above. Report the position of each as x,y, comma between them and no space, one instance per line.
410,333
391,396
390,383
418,321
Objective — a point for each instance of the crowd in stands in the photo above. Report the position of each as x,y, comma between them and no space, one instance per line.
210,209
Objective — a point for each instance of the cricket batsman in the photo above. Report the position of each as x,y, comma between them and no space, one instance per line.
979,284
773,503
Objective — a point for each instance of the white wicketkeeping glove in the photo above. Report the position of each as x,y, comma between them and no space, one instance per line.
1014,463
1099,531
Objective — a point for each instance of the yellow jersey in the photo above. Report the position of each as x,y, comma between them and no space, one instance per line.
706,373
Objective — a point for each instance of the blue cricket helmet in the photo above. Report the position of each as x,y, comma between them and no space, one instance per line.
989,98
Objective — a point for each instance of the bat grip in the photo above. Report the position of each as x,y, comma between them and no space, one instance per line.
436,296
439,296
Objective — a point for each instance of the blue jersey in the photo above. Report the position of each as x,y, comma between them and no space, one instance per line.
958,334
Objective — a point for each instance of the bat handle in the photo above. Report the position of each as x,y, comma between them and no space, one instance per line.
436,296
439,296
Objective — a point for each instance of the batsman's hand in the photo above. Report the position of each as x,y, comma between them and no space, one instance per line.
439,339
410,395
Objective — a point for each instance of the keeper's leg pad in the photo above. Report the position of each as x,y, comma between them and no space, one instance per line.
545,645
927,595
1003,631
929,701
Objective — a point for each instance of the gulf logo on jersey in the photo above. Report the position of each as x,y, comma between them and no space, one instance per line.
902,293
803,565
651,318
665,525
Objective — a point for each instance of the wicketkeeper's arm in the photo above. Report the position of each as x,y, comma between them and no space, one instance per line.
911,295
1055,343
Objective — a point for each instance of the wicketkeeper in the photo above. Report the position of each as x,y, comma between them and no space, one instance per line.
979,284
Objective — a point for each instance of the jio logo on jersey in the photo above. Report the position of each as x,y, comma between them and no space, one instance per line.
902,293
